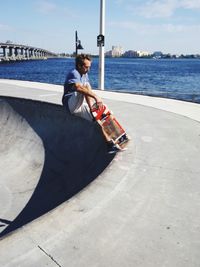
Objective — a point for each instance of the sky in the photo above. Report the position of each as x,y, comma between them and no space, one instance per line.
169,26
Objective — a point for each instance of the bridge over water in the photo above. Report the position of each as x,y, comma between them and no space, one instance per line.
13,52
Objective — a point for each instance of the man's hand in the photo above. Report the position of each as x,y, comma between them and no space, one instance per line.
89,94
99,102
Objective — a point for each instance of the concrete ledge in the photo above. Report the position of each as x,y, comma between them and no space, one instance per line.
188,109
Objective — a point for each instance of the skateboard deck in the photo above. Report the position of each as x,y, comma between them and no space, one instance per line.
111,127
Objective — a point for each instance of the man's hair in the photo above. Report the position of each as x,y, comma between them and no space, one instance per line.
81,58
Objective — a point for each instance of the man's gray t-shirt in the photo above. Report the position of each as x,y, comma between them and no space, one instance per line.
73,98
74,77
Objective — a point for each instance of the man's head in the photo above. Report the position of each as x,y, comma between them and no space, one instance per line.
83,63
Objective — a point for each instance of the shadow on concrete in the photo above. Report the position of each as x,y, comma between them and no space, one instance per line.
75,154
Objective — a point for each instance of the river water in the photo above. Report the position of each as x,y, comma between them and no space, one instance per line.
171,78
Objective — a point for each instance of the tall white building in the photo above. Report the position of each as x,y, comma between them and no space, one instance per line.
117,51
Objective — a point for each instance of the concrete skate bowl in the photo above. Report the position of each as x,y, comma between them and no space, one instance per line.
46,157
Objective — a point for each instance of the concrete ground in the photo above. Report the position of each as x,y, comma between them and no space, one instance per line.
141,210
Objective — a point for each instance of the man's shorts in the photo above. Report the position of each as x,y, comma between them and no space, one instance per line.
76,105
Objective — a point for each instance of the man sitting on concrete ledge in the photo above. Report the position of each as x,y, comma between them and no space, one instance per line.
77,89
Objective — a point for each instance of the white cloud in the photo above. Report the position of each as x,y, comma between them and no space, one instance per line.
190,4
154,8
4,27
119,2
148,29
164,8
46,7
166,37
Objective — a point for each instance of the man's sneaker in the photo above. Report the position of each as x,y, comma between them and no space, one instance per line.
112,148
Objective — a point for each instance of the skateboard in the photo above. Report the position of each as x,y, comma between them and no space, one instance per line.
110,125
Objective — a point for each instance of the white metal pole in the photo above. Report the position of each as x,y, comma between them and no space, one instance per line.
101,48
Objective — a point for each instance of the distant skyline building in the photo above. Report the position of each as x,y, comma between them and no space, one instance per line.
143,53
117,51
130,53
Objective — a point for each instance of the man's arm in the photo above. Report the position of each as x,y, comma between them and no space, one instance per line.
88,93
